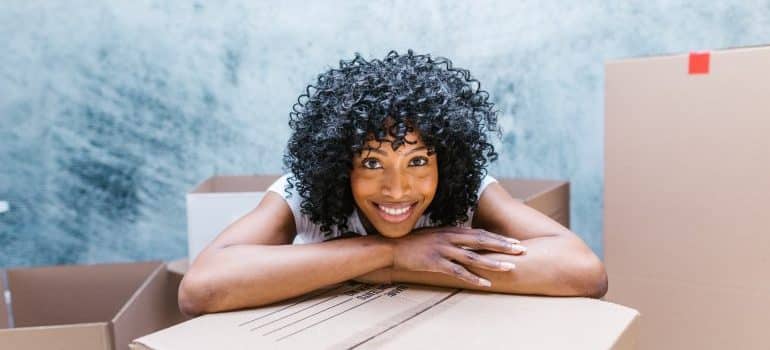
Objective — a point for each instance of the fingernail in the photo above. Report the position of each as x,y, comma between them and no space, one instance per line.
518,248
484,283
507,265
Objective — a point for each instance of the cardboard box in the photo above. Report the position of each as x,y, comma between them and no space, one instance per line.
220,200
687,183
404,316
86,306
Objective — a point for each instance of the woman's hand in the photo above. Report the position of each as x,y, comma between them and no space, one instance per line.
449,250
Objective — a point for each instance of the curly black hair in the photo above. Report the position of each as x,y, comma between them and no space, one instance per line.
347,107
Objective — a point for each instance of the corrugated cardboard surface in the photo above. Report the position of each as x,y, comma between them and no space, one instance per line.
403,316
524,322
686,198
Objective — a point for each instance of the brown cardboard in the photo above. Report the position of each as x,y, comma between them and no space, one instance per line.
544,323
220,200
550,197
402,316
217,202
88,306
686,198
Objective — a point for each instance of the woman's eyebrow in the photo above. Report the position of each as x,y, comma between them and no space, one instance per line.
377,150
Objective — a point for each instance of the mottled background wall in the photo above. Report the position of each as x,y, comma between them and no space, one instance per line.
110,111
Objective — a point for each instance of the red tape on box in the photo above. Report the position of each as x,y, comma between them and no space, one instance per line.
699,62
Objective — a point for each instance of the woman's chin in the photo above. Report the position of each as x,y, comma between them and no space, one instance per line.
394,234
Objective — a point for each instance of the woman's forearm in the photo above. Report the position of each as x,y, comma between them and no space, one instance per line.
241,276
546,269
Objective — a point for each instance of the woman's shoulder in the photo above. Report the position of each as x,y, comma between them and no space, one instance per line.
281,187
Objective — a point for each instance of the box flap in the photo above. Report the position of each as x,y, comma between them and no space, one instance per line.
487,320
3,307
332,318
235,183
86,336
73,294
152,307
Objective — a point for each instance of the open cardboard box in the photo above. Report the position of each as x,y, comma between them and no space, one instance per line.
95,307
397,316
687,192
220,200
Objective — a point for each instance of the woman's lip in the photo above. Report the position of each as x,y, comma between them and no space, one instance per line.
395,205
395,218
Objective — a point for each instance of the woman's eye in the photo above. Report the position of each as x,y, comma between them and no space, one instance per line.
419,161
371,163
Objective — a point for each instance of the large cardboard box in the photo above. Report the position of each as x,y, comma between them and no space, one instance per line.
687,195
404,316
220,200
87,306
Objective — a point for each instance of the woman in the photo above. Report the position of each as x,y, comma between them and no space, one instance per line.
388,184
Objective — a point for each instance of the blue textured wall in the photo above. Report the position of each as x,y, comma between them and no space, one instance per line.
111,111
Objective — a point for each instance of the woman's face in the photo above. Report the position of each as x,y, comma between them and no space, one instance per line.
393,188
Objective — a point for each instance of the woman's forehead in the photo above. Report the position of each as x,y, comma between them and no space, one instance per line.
411,140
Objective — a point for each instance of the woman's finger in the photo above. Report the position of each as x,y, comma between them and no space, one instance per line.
457,271
480,239
471,258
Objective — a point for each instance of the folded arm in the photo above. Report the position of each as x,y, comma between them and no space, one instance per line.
557,262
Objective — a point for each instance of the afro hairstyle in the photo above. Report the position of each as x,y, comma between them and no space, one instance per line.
347,107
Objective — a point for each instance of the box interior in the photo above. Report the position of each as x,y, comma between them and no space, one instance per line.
60,295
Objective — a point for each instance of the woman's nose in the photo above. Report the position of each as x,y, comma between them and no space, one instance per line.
396,185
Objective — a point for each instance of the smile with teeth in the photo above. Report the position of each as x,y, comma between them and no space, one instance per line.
395,213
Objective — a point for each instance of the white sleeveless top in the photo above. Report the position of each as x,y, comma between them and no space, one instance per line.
310,232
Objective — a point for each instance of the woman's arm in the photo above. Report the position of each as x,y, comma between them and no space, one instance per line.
252,262
557,262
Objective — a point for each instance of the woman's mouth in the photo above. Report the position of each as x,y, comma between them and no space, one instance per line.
395,213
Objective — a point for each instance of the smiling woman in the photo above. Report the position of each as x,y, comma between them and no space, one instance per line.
393,188
388,182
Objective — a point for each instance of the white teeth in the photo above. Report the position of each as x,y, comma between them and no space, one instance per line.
392,211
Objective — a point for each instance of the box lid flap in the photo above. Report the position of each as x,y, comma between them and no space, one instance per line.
85,336
332,318
526,322
73,294
152,307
